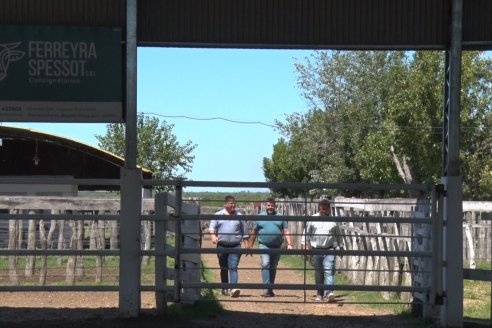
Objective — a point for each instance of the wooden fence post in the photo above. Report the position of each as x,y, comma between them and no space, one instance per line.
31,245
13,231
44,259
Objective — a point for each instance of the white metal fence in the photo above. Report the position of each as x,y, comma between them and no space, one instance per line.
391,244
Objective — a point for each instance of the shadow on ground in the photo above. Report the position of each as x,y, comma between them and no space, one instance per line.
109,318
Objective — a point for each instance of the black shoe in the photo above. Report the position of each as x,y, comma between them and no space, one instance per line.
268,294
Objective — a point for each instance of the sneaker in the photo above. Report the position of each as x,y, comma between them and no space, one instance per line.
318,298
225,292
331,297
235,292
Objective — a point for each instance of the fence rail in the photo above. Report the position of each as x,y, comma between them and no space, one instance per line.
388,246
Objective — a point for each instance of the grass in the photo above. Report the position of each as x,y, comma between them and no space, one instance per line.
365,298
208,306
217,198
52,261
477,296
56,271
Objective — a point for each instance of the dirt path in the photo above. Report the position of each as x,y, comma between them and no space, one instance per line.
286,309
285,301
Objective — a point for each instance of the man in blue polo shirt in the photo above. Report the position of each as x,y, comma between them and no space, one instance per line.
271,235
228,231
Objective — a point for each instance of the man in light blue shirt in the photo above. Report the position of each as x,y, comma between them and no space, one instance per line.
229,233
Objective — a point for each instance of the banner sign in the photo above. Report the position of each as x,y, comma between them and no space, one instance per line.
60,74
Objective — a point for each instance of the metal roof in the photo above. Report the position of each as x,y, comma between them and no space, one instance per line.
58,156
308,24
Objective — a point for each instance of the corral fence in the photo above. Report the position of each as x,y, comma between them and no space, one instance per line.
477,216
388,243
73,243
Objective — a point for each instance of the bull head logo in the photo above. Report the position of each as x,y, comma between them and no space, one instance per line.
8,54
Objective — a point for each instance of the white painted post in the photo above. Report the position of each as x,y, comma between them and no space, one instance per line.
131,205
452,314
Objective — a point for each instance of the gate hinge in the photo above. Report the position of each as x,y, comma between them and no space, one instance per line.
440,189
439,299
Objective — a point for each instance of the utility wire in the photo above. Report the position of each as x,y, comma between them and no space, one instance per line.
212,119
433,129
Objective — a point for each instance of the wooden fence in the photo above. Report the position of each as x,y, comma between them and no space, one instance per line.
65,233
376,270
364,236
69,231
477,233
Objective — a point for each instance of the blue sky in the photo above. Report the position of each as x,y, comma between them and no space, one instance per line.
233,84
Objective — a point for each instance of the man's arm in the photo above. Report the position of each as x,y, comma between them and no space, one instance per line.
306,238
245,233
213,236
288,238
213,232
339,237
252,237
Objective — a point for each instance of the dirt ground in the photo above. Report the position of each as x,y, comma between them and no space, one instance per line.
286,309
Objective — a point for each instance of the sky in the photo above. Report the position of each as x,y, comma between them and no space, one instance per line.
188,87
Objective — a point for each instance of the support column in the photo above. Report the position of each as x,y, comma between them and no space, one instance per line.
130,230
131,85
131,180
452,311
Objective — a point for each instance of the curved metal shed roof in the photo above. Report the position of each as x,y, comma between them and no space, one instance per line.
58,156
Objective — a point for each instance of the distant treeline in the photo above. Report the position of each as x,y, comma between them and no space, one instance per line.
208,198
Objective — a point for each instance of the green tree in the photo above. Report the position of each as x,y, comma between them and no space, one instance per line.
410,134
157,147
285,166
376,117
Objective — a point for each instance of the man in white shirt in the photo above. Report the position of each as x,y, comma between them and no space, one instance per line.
323,235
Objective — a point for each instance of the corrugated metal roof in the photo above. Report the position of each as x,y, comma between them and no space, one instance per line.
295,24
337,24
477,24
63,12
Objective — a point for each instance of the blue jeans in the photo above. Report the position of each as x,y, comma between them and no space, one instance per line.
228,265
269,263
324,269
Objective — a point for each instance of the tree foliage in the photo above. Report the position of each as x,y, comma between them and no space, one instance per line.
376,117
157,147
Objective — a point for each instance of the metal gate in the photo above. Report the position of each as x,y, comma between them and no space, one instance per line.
391,243
385,236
